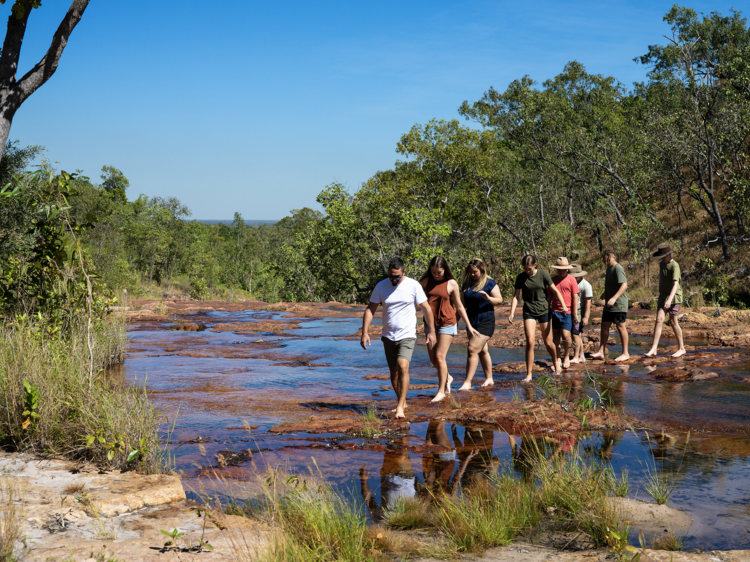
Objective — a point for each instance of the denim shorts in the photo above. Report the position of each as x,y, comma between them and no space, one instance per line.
451,330
562,321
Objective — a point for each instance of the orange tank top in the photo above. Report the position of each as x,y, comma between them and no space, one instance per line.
440,302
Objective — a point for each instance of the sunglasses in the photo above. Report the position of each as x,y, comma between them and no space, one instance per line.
395,277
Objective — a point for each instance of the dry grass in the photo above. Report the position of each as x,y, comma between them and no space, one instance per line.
74,488
11,518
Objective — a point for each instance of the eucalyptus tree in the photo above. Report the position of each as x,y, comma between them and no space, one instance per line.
697,125
15,91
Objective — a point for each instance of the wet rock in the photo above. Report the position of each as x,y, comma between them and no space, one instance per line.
682,374
652,518
377,377
330,425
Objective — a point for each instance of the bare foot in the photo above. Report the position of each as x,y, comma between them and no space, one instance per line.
438,397
652,353
623,357
465,386
679,353
400,413
395,410
448,385
566,364
597,355
527,379
575,360
488,382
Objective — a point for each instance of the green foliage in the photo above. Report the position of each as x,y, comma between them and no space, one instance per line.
716,289
199,288
30,402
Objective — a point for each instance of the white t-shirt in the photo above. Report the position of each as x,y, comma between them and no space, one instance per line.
399,302
586,292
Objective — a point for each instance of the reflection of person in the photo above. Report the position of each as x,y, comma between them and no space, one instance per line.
584,310
670,299
615,306
438,467
480,295
532,284
397,480
475,453
399,295
562,322
440,287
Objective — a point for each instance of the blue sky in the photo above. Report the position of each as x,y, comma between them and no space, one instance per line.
256,106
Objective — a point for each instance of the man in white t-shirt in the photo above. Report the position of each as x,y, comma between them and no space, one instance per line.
584,310
399,295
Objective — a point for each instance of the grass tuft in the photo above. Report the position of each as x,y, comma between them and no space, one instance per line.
409,513
10,520
668,541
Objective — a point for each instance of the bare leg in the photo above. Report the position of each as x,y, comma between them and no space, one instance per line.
566,348
472,359
529,327
486,360
622,329
440,351
603,343
658,325
578,351
546,329
556,337
678,335
402,380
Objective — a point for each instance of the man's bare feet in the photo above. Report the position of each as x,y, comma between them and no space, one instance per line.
597,355
488,382
623,357
527,379
438,397
465,386
566,364
400,413
395,410
448,385
651,353
575,360
679,353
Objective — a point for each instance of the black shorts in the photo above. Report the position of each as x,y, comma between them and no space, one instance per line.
485,327
542,319
614,317
577,329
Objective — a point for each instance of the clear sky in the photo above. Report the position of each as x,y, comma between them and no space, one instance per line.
255,106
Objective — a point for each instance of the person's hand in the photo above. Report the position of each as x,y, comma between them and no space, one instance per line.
667,304
575,319
485,296
584,322
365,340
510,319
431,339
565,308
473,332
611,303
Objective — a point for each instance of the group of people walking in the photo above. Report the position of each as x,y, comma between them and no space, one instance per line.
559,305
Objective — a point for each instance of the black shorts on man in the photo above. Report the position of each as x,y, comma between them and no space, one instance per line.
614,317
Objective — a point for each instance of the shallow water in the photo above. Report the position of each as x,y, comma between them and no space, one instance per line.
316,372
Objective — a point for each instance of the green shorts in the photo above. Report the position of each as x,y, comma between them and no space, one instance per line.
395,350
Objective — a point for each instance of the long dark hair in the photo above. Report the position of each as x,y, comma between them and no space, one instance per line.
441,263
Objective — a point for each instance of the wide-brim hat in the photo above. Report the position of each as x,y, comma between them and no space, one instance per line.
562,263
662,250
577,271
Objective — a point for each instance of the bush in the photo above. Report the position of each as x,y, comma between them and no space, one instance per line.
58,401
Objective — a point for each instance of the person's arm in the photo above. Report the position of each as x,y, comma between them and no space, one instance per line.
513,305
574,310
585,310
429,321
618,294
494,296
454,292
668,302
366,320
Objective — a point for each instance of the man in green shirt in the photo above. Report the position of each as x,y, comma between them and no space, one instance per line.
615,305
670,299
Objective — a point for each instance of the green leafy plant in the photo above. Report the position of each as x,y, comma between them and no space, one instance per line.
30,402
114,446
140,452
173,536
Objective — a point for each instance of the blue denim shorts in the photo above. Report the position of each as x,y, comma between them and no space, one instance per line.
562,321
451,330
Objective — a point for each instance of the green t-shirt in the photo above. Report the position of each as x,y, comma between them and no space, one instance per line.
615,277
668,274
534,292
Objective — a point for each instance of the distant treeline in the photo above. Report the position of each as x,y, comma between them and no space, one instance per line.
570,166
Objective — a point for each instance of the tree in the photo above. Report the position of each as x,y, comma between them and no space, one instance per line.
14,92
115,183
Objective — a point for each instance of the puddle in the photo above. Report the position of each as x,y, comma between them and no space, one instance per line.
217,379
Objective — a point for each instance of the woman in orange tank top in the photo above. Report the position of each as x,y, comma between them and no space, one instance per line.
440,287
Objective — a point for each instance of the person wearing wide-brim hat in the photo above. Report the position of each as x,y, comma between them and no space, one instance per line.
670,299
584,310
563,320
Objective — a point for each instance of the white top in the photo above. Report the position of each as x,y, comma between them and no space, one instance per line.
586,292
399,303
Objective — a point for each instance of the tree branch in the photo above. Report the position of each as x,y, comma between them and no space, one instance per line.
12,47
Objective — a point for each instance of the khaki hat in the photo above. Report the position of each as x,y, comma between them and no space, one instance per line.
562,263
577,271
662,250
